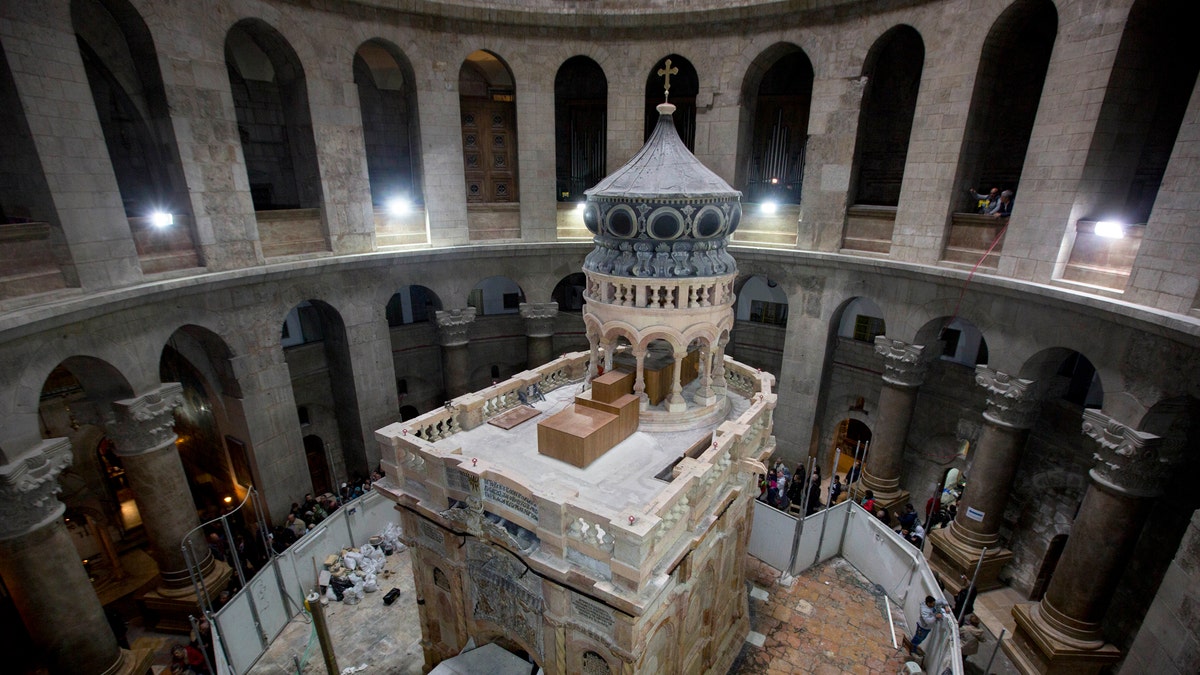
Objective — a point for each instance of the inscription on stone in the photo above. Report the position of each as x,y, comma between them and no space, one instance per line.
498,493
592,612
456,479
432,535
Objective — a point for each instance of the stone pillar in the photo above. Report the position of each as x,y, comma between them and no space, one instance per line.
1011,410
539,332
675,401
1062,633
904,371
452,328
42,571
143,433
718,368
639,379
705,395
64,127
608,346
594,358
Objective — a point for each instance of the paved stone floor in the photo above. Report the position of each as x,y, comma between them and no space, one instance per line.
831,620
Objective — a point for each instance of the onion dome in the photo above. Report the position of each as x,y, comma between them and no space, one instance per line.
663,214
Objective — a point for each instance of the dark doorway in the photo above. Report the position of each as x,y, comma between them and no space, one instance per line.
318,465
1049,562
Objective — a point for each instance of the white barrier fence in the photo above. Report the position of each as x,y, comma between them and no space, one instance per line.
254,617
874,550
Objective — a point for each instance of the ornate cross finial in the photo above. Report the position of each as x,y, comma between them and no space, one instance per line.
666,72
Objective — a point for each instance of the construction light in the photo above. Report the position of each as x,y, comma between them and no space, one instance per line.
1110,229
398,206
161,219
769,207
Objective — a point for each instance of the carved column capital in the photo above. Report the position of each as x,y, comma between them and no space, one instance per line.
1011,401
904,364
453,326
146,423
1129,461
29,485
539,318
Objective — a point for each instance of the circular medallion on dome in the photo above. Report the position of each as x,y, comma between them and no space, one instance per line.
591,218
735,217
621,221
664,223
708,222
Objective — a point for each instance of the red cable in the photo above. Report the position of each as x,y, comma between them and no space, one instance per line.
963,291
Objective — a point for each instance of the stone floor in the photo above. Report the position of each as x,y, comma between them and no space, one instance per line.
830,620
385,639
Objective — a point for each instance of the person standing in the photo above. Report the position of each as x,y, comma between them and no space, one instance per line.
931,613
970,636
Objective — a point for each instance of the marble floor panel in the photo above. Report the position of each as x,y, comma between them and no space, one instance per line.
386,639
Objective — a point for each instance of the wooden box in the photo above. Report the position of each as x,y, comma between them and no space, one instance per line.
612,385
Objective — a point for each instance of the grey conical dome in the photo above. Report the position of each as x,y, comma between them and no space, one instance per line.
662,214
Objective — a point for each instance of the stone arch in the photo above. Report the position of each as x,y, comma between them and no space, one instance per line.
1015,58
580,127
845,321
786,73
265,71
122,67
661,649
321,322
487,94
412,303
893,70
211,410
1156,65
1064,373
496,295
388,101
570,292
955,339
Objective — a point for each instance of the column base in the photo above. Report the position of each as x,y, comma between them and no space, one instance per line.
136,661
892,500
1036,648
168,612
951,559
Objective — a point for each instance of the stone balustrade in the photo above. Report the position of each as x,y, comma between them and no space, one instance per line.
687,293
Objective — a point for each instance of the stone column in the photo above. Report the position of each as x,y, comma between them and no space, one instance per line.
639,378
904,371
718,368
42,571
705,395
1062,633
1012,406
539,332
594,358
453,327
675,401
143,433
608,345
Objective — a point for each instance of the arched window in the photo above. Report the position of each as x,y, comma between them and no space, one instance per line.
387,99
488,102
893,72
780,87
580,120
1008,88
